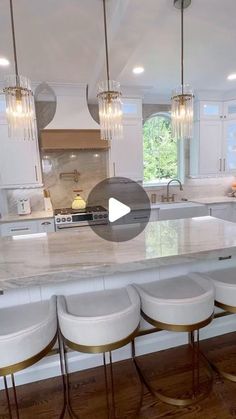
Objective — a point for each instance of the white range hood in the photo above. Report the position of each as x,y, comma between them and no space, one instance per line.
72,111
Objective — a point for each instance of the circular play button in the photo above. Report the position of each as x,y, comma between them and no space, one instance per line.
128,209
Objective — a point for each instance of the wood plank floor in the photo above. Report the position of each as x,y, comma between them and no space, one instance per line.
166,369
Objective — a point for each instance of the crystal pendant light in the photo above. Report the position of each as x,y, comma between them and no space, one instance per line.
109,100
20,108
182,97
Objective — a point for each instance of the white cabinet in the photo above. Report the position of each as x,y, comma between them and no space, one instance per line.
229,110
18,228
126,154
210,147
208,110
19,161
213,147
222,211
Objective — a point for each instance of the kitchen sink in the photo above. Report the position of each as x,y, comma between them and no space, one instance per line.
179,209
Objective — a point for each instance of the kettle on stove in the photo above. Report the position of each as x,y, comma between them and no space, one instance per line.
79,203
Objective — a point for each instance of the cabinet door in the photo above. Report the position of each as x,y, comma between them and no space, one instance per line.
210,157
19,161
224,212
126,154
230,109
229,154
210,110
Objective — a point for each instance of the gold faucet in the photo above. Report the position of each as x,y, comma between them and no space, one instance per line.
167,198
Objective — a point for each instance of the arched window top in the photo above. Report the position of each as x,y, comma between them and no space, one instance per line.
160,149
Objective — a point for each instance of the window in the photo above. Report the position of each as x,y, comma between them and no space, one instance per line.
160,150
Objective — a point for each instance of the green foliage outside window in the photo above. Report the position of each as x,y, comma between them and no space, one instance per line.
160,150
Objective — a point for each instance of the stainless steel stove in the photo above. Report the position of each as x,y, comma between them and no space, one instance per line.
69,218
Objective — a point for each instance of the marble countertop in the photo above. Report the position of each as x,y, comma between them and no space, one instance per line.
35,215
215,200
80,253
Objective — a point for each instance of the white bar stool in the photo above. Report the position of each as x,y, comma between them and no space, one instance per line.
180,304
224,282
98,322
27,334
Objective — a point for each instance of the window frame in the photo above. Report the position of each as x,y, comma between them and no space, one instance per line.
180,157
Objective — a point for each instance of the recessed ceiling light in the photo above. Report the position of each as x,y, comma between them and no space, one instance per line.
4,62
232,76
138,70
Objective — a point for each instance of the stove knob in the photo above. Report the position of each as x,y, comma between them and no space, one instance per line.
58,220
105,215
68,219
95,217
100,216
63,220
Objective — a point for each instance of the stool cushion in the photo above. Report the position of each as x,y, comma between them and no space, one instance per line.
25,330
224,282
183,300
99,318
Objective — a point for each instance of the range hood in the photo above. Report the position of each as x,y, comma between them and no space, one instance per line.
72,126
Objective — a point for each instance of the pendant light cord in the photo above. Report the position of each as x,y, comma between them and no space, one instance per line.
13,38
106,44
182,46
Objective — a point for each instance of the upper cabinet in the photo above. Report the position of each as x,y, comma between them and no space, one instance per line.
208,110
20,164
213,147
126,154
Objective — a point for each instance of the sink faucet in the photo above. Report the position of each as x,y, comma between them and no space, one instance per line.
168,189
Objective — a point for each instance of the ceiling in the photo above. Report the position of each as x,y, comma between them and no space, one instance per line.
62,41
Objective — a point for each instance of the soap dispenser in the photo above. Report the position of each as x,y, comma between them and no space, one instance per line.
78,203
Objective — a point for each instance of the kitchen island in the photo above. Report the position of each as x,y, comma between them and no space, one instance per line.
37,260
33,268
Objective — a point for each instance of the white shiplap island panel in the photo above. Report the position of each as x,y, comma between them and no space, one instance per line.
77,260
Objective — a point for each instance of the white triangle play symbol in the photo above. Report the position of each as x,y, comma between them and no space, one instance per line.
117,210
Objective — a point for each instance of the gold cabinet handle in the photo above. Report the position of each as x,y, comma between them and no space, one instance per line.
114,169
36,173
220,165
224,165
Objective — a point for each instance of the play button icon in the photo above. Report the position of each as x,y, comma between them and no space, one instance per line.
127,205
117,210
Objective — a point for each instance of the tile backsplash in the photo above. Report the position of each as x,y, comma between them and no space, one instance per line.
92,168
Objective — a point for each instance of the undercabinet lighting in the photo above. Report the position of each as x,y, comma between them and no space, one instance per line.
232,76
138,70
29,236
96,155
73,156
4,62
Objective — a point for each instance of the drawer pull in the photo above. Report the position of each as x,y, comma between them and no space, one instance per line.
20,229
225,257
46,223
144,217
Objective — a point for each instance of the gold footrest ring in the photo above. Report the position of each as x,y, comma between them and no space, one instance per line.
177,401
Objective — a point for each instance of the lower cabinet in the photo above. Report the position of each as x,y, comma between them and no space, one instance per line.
18,228
225,212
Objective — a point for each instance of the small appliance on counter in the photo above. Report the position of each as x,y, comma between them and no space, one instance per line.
47,200
233,190
78,203
23,206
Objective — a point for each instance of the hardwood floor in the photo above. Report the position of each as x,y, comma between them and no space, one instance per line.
44,399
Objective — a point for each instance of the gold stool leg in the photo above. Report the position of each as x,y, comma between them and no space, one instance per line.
65,381
15,396
196,395
7,397
109,387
